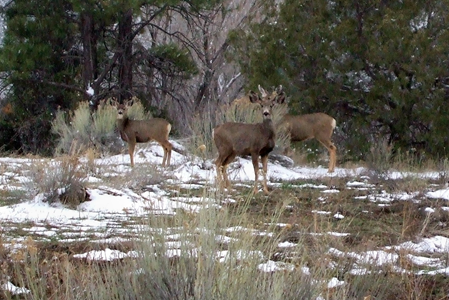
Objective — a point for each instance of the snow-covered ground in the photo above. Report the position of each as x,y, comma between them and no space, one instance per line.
102,218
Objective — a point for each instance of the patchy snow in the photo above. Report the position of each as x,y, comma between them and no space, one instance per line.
106,255
101,218
14,290
334,282
436,244
439,194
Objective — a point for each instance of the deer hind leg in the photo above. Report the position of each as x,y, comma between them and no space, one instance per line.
265,171
255,159
219,169
333,158
167,146
332,154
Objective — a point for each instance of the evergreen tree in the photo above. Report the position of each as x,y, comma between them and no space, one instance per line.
56,52
378,67
36,55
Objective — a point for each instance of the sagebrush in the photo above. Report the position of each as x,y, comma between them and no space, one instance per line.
95,130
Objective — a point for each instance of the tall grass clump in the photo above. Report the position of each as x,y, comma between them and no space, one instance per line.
61,180
379,159
442,166
92,130
202,126
214,254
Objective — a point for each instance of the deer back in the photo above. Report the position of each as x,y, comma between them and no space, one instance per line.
303,127
244,139
143,131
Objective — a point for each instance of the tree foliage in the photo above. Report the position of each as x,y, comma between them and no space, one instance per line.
57,53
378,67
36,54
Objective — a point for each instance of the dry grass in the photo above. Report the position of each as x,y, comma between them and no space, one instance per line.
50,272
289,214
60,180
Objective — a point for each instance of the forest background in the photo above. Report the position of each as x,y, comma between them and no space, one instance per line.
380,68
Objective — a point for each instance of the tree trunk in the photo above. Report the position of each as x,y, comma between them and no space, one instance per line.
125,75
90,70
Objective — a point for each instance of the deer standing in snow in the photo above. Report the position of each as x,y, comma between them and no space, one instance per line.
143,131
317,125
240,139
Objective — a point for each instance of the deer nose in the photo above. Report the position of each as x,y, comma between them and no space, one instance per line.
266,113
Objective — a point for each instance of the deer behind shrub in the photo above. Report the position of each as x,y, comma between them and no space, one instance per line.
143,131
240,139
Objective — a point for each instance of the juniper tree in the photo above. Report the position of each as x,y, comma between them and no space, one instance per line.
380,68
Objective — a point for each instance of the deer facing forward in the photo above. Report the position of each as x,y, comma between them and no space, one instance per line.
143,131
240,139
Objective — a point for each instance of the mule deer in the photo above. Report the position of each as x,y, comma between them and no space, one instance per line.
143,131
318,125
240,139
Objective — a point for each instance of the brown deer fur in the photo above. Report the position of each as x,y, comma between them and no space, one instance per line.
240,139
143,131
318,125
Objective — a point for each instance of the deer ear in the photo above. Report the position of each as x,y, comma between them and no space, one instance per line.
280,97
253,97
113,102
262,91
129,102
279,89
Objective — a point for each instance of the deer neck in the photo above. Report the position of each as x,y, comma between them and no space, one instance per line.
268,126
121,123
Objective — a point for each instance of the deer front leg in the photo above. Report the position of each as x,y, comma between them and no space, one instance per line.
169,148
222,177
255,159
265,170
165,156
166,146
219,169
131,146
